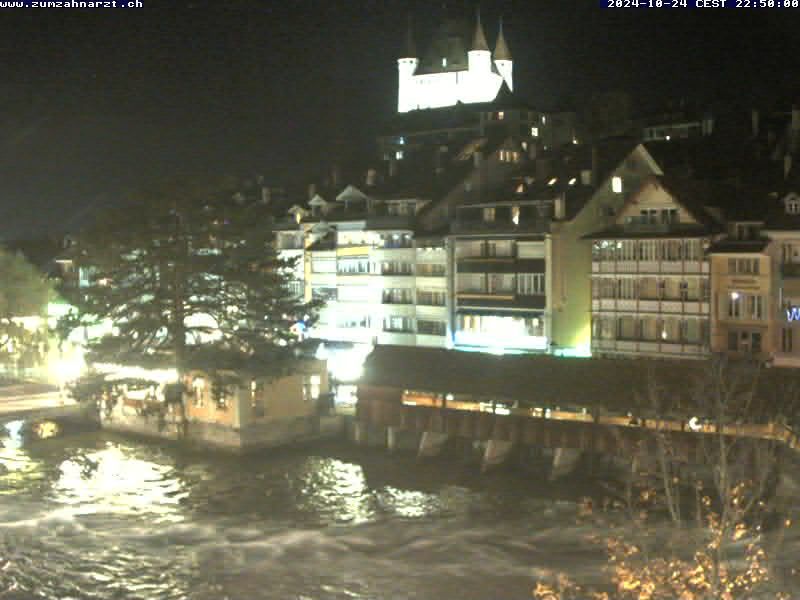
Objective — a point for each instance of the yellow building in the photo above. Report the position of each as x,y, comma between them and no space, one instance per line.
744,312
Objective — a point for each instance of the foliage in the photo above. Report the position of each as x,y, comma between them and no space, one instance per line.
187,277
25,293
720,527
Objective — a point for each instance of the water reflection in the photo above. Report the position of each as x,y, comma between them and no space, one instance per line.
110,480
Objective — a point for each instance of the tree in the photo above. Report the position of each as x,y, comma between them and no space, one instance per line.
24,297
185,276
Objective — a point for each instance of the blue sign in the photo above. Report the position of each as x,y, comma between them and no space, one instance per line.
793,313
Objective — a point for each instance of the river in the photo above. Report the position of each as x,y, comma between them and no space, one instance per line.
100,516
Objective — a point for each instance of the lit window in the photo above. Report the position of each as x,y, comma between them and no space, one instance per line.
793,206
572,181
552,181
515,215
521,188
535,131
399,155
616,184
501,115
544,120
444,61
488,215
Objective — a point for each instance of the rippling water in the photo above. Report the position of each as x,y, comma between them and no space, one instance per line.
98,516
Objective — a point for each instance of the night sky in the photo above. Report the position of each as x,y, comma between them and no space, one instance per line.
99,102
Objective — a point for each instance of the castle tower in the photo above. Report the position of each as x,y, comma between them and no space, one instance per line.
406,67
502,58
479,57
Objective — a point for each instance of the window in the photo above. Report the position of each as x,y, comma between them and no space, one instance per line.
397,296
755,305
353,266
786,339
530,284
793,206
431,297
626,289
743,266
515,214
669,215
735,305
755,342
394,267
431,327
430,270
199,388
444,61
324,293
398,324
488,215
535,131
501,115
616,184
399,155
311,387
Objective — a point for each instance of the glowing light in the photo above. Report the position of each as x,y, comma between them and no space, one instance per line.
793,314
552,181
694,424
734,296
616,184
572,181
116,372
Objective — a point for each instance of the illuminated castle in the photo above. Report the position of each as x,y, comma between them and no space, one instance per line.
454,70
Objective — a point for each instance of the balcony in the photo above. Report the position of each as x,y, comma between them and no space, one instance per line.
478,226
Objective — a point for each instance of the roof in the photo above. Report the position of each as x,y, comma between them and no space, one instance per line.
501,51
540,380
731,246
479,38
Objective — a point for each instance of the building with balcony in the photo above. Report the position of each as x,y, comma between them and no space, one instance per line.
651,277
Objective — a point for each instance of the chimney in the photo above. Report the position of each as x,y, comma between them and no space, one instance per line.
787,165
754,121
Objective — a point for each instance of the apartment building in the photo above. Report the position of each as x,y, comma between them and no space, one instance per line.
651,284
380,283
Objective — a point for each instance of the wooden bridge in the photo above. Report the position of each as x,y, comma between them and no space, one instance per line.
381,409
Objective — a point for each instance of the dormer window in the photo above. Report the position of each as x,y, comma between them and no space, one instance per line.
534,131
793,206
399,155
616,184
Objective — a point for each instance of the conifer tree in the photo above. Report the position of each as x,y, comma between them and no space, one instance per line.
185,275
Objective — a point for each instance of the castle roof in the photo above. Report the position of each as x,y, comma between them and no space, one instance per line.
479,39
501,51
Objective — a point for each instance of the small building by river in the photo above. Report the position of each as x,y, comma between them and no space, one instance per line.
242,414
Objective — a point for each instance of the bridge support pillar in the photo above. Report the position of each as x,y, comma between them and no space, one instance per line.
431,444
368,435
564,462
496,453
400,439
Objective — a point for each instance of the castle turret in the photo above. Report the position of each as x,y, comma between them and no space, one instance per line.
479,57
502,58
406,67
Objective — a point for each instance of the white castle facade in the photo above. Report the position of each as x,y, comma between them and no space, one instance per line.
453,71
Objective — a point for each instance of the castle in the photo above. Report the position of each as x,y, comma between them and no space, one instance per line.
455,69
